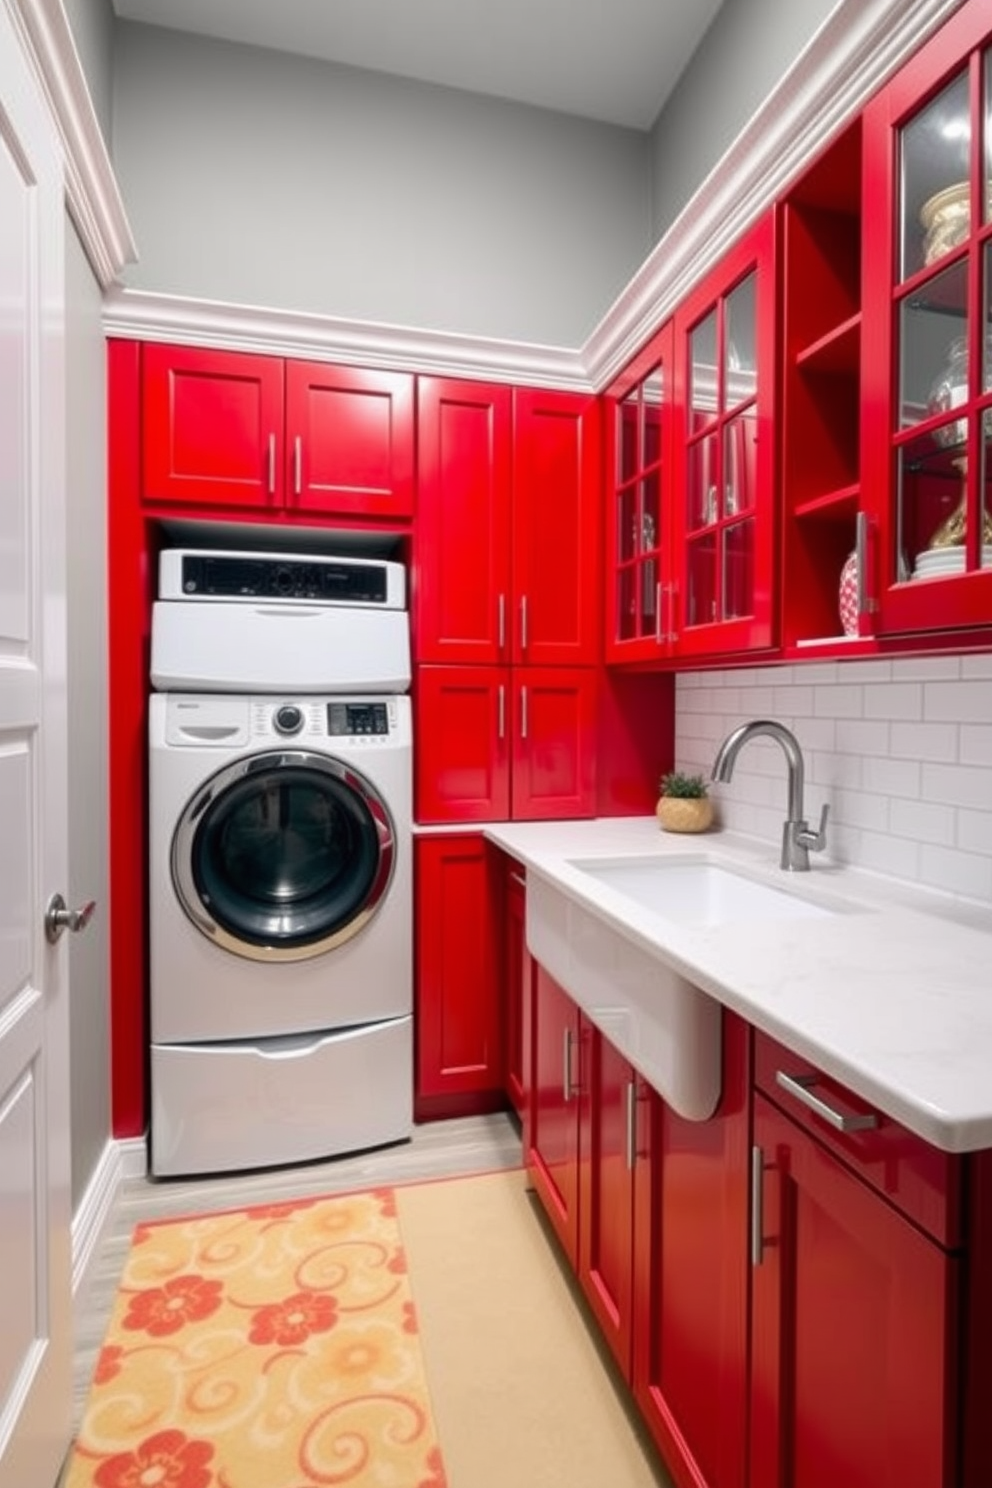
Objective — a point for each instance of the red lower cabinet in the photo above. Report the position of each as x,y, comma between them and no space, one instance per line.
853,1320
690,1278
457,1013
517,993
552,1152
607,1157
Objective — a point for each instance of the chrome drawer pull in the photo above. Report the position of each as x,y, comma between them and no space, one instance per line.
801,1087
757,1246
631,1125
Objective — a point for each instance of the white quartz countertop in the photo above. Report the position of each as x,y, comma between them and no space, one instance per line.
892,994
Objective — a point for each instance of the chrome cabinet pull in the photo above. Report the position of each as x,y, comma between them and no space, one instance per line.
566,1064
502,711
800,1086
866,605
631,1113
757,1206
502,621
272,465
523,622
523,712
518,878
297,465
659,595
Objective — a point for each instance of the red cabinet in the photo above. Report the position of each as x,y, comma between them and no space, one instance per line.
853,1319
690,1365
507,550
502,742
459,1048
692,471
517,992
927,364
608,1108
228,429
552,1153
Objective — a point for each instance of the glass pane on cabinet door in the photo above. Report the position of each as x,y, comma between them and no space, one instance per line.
738,570
930,516
740,363
627,519
702,374
653,400
628,441
703,488
651,512
933,359
628,620
740,456
934,164
700,606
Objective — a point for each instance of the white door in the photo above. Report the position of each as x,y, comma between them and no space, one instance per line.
35,1249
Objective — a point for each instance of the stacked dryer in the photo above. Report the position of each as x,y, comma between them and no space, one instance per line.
280,873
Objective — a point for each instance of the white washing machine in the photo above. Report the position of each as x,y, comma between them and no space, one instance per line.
280,893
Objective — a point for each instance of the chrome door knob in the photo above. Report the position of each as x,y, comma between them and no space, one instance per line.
59,917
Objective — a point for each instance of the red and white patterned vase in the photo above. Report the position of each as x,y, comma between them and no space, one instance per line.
848,595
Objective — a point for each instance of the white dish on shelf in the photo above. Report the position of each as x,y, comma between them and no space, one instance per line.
939,561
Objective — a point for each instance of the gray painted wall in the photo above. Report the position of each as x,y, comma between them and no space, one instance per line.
261,178
745,53
86,466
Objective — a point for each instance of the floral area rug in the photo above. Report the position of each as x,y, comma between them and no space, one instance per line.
271,1347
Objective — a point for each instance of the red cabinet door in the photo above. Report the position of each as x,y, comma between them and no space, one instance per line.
926,388
458,1033
852,1328
553,726
553,1149
462,759
518,972
724,500
556,529
349,440
462,596
691,1277
607,1155
212,427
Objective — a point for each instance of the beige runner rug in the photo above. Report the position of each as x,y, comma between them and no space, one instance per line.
416,1337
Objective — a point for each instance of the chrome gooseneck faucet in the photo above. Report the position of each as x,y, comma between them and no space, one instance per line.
797,838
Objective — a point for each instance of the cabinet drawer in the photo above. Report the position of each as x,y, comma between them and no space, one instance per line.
917,1178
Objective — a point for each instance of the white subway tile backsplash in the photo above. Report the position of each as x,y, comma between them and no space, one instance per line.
901,749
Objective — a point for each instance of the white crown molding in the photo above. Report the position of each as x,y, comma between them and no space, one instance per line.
857,48
92,194
139,315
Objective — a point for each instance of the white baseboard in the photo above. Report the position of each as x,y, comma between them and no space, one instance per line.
118,1161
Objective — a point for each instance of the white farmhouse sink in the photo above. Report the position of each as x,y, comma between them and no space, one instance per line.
695,892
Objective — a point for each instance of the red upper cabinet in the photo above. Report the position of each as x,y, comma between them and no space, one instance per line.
502,742
724,506
508,545
225,429
349,440
555,529
465,438
691,472
212,427
640,482
927,389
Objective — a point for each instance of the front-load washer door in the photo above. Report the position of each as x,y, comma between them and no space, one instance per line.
283,855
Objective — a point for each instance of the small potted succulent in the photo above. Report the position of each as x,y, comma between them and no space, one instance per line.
684,805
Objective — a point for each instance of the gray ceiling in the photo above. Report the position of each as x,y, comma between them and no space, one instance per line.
615,61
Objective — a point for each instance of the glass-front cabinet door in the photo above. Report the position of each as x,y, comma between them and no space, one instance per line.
723,504
640,621
928,345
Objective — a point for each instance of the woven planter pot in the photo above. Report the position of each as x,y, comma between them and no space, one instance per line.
684,813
